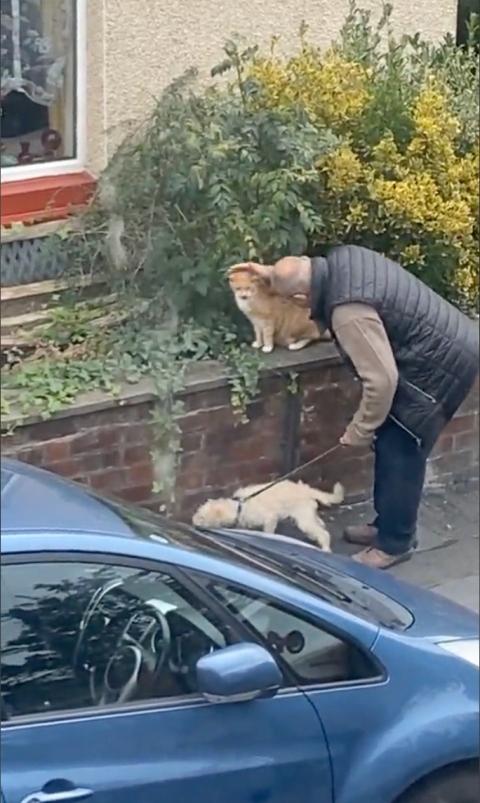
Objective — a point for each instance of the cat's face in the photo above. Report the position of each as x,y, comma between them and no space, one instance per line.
245,286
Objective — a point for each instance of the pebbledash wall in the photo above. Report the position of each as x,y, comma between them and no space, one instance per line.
107,444
135,48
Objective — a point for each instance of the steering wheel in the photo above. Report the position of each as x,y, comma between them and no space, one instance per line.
132,658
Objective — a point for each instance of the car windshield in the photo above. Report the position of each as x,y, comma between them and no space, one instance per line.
303,572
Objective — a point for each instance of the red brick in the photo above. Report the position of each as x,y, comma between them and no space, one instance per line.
444,445
137,433
67,468
57,450
465,440
195,462
108,436
140,474
112,478
191,480
192,441
135,454
95,461
219,397
207,419
35,455
248,450
137,493
462,423
85,441
53,429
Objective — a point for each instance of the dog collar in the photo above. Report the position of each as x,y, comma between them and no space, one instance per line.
238,513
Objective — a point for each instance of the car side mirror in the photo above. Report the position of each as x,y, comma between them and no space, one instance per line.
238,673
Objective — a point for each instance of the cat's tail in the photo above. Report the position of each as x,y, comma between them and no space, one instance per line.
327,499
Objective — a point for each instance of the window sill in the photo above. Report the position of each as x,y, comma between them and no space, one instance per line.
37,200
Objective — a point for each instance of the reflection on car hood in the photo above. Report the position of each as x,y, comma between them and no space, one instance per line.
432,616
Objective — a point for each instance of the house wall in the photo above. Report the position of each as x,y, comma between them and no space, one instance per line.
137,47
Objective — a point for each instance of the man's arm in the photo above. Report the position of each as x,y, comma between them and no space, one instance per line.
362,336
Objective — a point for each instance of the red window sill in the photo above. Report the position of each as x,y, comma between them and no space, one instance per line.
37,200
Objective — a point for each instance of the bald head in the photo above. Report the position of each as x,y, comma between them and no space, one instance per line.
291,276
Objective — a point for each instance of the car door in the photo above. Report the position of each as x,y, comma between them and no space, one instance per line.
72,629
343,681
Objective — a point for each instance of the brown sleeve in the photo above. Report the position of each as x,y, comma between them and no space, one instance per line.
361,334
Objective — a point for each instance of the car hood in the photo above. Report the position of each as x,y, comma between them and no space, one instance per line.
434,617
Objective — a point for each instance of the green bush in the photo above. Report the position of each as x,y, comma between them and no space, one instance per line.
373,141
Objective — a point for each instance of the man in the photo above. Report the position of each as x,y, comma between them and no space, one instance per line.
417,357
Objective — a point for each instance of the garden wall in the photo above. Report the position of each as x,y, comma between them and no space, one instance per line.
107,444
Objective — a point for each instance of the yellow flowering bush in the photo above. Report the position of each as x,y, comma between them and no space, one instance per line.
332,89
404,175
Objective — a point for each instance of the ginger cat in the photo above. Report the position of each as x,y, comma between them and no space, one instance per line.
276,321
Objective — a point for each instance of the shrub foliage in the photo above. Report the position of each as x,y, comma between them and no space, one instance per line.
373,141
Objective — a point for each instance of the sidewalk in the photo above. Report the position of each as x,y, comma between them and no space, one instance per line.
447,557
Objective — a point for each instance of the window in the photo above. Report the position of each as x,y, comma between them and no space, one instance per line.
311,653
39,82
77,635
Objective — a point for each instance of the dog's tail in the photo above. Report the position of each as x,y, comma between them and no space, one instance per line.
326,499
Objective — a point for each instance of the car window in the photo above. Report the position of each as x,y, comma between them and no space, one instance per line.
76,635
312,654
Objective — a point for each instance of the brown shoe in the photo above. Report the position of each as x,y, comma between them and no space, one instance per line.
376,559
363,534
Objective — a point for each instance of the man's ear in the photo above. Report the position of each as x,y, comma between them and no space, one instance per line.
301,300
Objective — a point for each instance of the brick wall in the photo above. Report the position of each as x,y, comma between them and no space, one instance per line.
107,445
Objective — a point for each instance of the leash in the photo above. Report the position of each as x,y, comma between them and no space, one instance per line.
286,476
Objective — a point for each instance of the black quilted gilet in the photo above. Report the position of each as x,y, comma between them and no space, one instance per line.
436,346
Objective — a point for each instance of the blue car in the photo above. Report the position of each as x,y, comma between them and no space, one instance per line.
146,662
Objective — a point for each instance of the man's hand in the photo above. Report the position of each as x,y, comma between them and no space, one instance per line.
352,441
263,271
289,277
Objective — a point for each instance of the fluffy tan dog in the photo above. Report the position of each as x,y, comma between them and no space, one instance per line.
286,500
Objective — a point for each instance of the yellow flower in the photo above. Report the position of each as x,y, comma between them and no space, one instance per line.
356,216
328,86
412,255
431,114
416,199
343,169
436,128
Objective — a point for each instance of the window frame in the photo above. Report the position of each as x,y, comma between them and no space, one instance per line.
134,707
205,578
197,582
18,173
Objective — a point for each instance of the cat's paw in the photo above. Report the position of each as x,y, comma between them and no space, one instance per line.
298,344
267,349
256,345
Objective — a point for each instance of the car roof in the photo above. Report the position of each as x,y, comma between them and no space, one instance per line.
33,499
